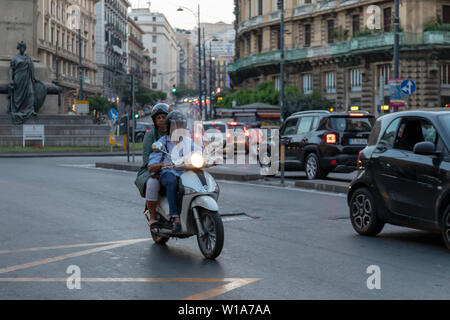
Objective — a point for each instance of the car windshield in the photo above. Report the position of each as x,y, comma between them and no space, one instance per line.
219,127
445,119
351,124
237,127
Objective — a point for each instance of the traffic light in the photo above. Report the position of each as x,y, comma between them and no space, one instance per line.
123,124
280,4
174,89
136,116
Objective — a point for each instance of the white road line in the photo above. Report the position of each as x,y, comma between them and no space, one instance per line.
341,195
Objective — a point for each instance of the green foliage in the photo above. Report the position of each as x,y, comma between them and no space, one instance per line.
363,33
184,91
340,34
435,24
297,101
99,105
144,96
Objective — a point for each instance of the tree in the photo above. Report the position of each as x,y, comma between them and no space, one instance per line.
297,101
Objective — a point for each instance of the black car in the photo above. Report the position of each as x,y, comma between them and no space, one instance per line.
319,142
141,129
404,175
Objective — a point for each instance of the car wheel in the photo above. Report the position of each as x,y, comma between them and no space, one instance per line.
445,227
313,169
363,213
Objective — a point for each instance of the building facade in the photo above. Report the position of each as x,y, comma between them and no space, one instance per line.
111,46
344,49
187,58
58,48
135,51
160,38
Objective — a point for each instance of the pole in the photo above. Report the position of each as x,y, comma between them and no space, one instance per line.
396,38
80,65
57,74
282,62
210,83
132,113
204,76
199,65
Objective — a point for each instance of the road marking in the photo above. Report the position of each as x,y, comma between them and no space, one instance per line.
68,246
233,284
70,255
341,195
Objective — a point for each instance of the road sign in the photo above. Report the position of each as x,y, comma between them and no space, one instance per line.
408,86
113,114
396,98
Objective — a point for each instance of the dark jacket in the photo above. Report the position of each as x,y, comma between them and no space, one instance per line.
143,174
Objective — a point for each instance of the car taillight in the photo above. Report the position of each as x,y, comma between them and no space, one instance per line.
331,138
147,130
355,114
247,134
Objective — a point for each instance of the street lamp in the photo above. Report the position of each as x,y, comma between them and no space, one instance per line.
197,16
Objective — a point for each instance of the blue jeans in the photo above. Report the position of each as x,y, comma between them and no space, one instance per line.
170,183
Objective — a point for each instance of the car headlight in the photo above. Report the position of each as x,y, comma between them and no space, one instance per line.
197,160
217,189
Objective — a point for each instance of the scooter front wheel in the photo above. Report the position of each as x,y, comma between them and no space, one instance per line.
211,243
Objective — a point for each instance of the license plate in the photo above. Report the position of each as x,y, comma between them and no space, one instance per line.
357,141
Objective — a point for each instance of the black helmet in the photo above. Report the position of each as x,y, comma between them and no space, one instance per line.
159,108
175,117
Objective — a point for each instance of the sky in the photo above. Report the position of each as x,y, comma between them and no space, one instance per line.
210,11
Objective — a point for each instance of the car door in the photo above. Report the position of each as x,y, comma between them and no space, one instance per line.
288,132
300,139
408,182
419,174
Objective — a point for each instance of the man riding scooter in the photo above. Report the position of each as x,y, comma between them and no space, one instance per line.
158,162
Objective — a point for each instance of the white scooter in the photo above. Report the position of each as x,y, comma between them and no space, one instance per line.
197,198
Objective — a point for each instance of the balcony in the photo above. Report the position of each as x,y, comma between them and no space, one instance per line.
250,23
303,9
366,44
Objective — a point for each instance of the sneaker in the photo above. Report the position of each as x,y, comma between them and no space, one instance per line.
176,227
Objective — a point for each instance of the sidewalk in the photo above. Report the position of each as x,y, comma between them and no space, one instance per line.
68,153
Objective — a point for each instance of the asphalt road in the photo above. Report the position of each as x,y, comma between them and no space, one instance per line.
64,212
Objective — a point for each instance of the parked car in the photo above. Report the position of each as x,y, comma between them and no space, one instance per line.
213,130
319,142
141,129
237,132
404,175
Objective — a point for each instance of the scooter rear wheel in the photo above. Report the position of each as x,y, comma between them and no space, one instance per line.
211,243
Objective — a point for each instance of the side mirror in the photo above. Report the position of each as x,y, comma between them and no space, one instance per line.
382,146
157,147
425,148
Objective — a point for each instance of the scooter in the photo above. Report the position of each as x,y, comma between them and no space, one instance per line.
197,198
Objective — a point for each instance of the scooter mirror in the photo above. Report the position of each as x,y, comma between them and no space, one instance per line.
158,147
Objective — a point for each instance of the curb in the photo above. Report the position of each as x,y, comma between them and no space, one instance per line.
64,154
234,176
323,185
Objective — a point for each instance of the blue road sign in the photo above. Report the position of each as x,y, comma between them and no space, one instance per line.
113,115
408,86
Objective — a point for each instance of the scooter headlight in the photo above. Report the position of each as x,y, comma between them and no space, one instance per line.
197,160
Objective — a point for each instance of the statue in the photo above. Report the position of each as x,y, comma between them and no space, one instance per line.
26,94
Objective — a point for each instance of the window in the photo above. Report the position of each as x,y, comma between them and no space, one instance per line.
445,74
154,19
387,19
390,133
155,29
355,23
259,42
304,125
135,18
414,130
154,39
446,14
355,79
154,50
154,85
383,71
315,123
330,82
260,7
307,35
290,127
277,82
307,83
330,31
